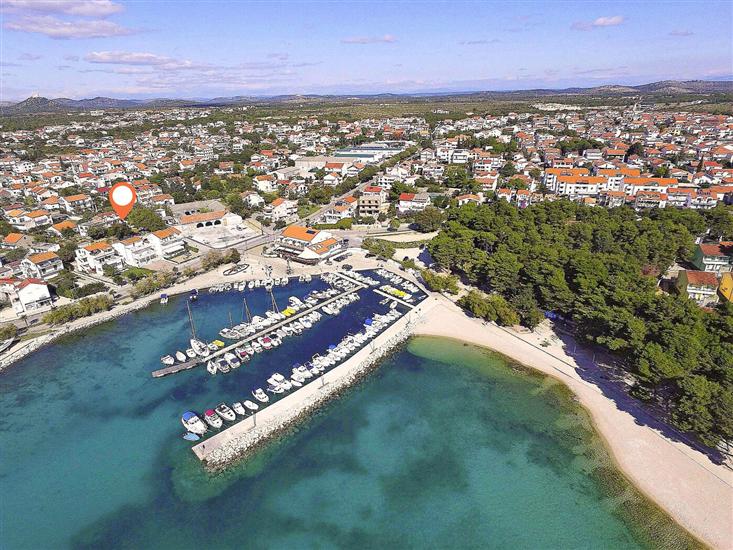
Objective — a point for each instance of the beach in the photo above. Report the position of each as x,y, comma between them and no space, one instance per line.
696,492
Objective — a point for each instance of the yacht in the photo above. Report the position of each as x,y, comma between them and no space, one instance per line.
222,365
249,405
212,346
194,295
212,419
190,353
167,360
251,285
232,360
199,347
241,354
272,388
223,410
256,346
193,423
238,408
211,367
163,299
260,395
230,333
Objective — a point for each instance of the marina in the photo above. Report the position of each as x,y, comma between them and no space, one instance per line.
355,286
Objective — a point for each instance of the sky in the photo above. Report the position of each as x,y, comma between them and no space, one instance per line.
207,48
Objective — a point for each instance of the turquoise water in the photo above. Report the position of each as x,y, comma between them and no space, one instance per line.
443,446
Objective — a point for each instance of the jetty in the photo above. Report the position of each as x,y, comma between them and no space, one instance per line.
195,362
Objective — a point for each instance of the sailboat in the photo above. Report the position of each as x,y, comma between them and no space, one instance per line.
197,346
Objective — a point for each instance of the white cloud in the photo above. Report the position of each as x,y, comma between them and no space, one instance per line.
608,21
160,62
680,33
479,42
386,39
29,57
61,30
84,8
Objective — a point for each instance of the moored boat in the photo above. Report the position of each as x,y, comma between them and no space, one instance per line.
223,410
213,419
193,423
167,360
238,408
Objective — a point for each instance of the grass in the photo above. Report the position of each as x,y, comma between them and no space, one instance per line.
306,210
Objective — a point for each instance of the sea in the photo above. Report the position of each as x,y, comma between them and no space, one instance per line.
446,445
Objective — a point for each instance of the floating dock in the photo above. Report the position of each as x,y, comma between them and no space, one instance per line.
178,367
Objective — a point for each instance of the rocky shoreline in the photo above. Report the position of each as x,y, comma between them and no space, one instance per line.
246,445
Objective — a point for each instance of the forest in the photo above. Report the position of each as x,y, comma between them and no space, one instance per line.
598,270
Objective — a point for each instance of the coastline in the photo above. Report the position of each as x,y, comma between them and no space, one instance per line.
682,481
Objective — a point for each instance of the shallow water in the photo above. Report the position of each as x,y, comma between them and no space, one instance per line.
443,446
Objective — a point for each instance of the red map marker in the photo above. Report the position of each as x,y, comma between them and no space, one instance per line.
122,197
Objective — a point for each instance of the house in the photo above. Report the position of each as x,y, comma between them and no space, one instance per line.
468,199
167,243
412,202
135,251
252,199
43,265
281,209
59,228
93,257
700,286
76,203
16,240
714,257
26,295
265,183
307,245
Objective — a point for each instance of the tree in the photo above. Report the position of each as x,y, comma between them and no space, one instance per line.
508,170
145,219
636,149
379,247
428,220
7,331
394,224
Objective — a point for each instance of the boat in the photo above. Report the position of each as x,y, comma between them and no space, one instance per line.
213,419
223,410
260,395
190,353
188,436
194,295
232,360
250,405
167,360
238,408
193,423
211,367
222,365
163,299
181,356
199,347
5,344
212,346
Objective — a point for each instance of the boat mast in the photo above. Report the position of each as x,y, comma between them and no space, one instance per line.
245,309
231,323
190,318
274,303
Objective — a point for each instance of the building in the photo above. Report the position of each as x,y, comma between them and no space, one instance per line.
281,209
413,202
700,286
43,265
135,251
93,257
714,257
307,245
726,286
27,295
167,243
373,201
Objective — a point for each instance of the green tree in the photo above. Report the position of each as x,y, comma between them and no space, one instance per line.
145,219
429,219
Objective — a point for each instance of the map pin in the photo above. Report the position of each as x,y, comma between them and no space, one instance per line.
122,197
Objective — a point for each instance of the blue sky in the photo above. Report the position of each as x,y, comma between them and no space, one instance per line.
140,49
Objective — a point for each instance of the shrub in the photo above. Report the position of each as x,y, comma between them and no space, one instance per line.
440,283
82,308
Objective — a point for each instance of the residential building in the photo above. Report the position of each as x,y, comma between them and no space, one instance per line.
26,295
167,243
43,265
93,257
714,257
700,286
135,251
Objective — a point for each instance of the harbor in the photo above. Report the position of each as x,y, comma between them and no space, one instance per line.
242,438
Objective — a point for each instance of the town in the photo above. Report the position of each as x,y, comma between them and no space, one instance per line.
214,181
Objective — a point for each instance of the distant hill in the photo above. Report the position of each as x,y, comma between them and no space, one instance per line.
36,104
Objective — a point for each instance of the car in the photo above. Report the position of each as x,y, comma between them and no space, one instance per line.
348,267
370,255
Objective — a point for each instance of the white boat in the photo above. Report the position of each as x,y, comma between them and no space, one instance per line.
223,410
213,419
193,423
295,382
232,360
181,356
249,405
163,299
212,346
199,347
230,333
167,360
260,395
251,285
211,367
222,365
258,283
190,353
238,408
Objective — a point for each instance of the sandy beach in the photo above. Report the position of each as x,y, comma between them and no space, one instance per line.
696,492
